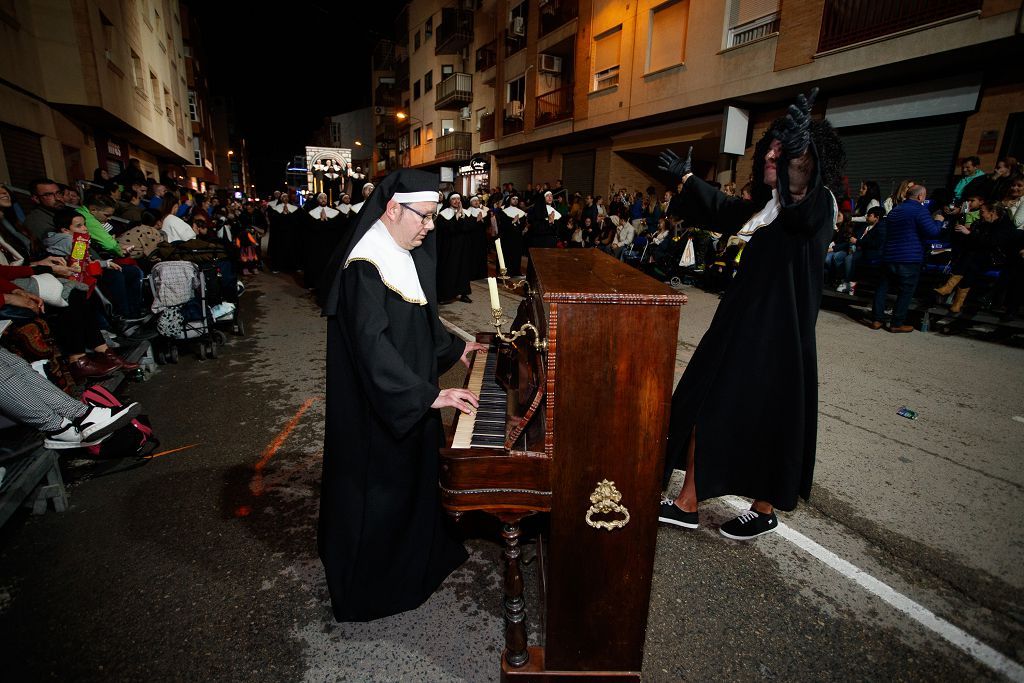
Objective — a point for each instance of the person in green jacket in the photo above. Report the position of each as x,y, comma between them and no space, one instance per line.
98,210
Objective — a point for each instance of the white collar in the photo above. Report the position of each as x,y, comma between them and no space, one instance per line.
514,212
317,210
394,264
762,218
344,208
280,207
355,207
552,210
448,213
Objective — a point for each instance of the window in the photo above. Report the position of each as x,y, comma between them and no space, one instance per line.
666,40
193,109
416,41
416,90
750,20
177,118
167,105
516,90
447,126
428,81
108,36
428,30
137,71
606,58
446,71
155,84
416,137
430,132
197,150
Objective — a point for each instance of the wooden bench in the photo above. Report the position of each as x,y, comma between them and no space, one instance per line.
32,474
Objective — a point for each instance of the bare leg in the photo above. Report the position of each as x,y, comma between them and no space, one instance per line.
762,506
687,498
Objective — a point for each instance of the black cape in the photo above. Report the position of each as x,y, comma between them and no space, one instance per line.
319,240
480,244
385,543
751,387
543,234
511,235
283,243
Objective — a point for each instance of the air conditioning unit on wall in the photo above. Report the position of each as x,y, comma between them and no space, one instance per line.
518,26
465,114
549,64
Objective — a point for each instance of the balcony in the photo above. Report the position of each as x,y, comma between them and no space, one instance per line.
454,146
848,22
555,105
487,127
455,31
513,120
454,92
386,130
556,13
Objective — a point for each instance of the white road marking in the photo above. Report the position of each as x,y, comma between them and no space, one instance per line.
956,636
1018,418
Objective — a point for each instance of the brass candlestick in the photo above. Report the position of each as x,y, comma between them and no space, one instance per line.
499,319
512,283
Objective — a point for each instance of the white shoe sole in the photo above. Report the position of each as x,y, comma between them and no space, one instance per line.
676,522
65,445
746,538
123,418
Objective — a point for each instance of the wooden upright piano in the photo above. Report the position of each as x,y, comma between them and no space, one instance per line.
574,427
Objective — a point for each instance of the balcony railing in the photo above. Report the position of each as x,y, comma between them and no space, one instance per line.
454,32
513,43
847,22
754,30
487,56
555,105
556,13
455,146
454,92
487,127
511,124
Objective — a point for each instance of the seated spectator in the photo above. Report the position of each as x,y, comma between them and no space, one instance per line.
174,228
898,196
1013,201
867,248
130,207
1002,176
971,171
98,210
869,198
30,399
39,221
837,260
982,248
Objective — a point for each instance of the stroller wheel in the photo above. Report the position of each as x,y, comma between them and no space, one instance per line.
158,356
219,337
172,356
239,327
212,351
202,351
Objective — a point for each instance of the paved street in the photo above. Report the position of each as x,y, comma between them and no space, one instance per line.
201,564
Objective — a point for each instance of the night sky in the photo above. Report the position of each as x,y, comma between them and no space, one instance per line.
288,68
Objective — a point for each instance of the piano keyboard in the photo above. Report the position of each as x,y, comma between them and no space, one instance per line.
486,428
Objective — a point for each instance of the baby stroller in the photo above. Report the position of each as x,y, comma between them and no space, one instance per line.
223,293
179,300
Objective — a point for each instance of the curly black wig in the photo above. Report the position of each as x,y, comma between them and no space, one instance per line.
831,158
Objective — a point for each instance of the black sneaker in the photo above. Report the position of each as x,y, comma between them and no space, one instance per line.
750,524
671,514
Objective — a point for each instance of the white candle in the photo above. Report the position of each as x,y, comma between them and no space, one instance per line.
492,285
501,256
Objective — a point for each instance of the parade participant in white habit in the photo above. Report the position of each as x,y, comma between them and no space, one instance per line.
367,191
454,251
512,223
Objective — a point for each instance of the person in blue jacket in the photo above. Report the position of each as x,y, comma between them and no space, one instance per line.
907,228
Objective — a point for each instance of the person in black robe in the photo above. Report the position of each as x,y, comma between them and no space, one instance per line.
744,415
322,230
384,540
545,223
454,251
479,237
511,223
282,247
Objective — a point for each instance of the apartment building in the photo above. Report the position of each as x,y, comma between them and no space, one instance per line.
88,84
203,171
590,91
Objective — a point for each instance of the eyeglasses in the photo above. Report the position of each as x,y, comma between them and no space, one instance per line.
47,194
426,217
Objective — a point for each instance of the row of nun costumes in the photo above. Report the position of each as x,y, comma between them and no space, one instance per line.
455,245
511,223
480,238
322,231
384,540
546,224
284,248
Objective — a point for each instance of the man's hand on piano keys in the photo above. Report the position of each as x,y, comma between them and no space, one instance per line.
470,347
460,399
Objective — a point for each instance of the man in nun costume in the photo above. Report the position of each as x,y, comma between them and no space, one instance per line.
385,543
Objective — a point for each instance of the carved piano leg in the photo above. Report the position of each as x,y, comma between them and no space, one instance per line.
516,653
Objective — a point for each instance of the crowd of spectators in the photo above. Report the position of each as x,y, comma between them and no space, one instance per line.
73,266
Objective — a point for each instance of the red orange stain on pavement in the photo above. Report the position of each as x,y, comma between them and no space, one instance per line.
173,450
256,485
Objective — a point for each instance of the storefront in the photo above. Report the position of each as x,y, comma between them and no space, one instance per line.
473,177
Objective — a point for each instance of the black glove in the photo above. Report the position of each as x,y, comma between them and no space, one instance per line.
795,132
670,162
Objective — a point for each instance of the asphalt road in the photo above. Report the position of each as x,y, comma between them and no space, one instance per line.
201,564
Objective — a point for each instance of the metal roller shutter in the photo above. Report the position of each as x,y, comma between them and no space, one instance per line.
24,155
519,173
578,172
888,154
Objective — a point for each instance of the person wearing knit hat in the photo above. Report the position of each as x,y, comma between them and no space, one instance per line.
384,540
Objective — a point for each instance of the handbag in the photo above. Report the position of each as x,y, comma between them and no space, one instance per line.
688,259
